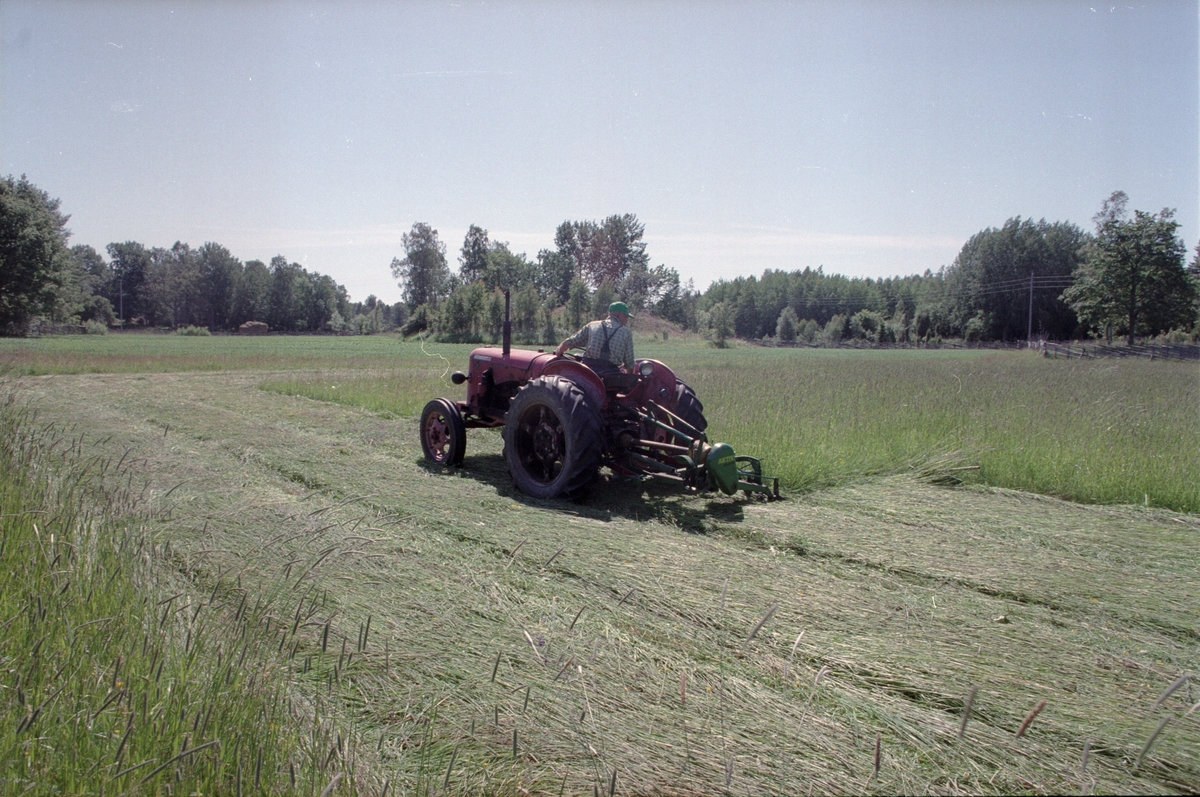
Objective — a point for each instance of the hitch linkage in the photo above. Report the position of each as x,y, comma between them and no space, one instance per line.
696,463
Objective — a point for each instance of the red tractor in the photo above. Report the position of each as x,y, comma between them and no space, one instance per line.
563,421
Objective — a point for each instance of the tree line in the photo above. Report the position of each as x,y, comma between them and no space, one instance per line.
1024,279
593,263
207,287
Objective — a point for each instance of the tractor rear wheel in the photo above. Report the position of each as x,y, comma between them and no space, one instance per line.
552,438
443,434
688,407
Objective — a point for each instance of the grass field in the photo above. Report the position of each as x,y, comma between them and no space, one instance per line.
457,637
1107,432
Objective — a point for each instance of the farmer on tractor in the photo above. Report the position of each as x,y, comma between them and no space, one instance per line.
606,344
564,418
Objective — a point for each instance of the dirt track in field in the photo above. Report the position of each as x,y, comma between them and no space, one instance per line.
891,600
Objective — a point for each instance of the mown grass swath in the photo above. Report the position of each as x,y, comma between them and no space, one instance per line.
124,673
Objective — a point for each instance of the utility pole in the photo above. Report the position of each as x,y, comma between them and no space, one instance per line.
1029,334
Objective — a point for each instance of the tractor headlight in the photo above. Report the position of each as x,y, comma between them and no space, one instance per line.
646,368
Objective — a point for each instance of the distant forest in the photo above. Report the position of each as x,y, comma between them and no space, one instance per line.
1022,280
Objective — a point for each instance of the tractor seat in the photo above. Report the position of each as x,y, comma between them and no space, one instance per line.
617,382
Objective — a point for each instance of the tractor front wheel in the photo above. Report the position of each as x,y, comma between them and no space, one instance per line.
552,438
443,434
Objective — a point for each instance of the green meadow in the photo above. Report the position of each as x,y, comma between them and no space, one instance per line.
1095,431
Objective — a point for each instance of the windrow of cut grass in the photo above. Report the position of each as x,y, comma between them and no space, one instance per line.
119,675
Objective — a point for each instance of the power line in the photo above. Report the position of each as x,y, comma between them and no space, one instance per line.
986,289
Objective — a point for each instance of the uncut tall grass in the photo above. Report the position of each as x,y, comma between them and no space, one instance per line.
1107,432
117,677
1093,431
152,352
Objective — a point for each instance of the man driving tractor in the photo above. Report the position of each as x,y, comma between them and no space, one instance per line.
564,419
607,345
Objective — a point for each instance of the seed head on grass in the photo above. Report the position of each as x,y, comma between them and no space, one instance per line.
763,621
967,710
1180,681
1025,723
1150,742
332,785
577,615
536,652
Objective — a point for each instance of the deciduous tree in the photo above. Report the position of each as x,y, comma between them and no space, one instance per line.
506,270
34,259
577,304
1134,277
473,259
129,262
605,251
785,327
219,274
252,294
553,275
988,283
422,274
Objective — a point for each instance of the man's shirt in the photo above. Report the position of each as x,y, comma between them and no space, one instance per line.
592,336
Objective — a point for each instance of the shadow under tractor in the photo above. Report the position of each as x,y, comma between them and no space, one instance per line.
563,421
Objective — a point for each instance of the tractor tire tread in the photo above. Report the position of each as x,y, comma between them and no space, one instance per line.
582,432
688,406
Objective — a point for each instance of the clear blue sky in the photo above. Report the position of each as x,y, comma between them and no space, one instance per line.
870,138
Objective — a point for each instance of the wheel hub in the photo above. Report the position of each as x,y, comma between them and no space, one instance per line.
545,443
437,435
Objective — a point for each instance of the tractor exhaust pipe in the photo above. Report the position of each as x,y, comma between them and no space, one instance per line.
507,327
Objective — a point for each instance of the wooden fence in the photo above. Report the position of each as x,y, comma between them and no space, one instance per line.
1183,351
1068,349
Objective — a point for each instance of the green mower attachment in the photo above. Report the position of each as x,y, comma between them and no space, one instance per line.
704,466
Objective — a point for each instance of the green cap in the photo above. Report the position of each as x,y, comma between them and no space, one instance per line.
619,307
